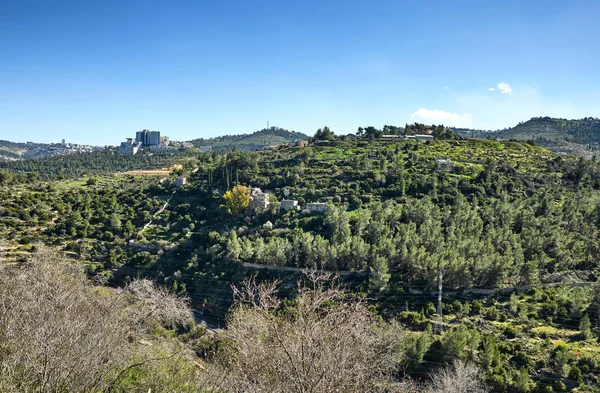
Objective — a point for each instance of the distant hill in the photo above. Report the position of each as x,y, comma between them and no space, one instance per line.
12,150
580,137
256,141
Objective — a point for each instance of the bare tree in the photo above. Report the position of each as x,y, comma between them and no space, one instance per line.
59,333
457,378
324,342
159,304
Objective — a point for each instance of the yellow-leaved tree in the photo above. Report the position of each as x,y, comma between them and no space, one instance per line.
237,199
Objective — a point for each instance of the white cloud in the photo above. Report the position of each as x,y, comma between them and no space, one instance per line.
491,89
491,113
442,117
504,88
446,88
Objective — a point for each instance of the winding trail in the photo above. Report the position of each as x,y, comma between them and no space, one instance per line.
162,209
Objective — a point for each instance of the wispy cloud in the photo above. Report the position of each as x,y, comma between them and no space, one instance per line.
447,118
447,88
491,89
504,88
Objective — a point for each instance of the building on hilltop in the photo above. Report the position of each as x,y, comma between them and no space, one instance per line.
391,137
258,199
129,147
424,137
148,138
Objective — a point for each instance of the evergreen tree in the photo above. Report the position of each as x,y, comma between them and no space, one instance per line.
380,277
585,327
522,382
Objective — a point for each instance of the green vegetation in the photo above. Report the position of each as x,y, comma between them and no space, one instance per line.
258,140
511,227
580,137
88,164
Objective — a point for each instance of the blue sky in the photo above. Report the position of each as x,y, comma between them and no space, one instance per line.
95,72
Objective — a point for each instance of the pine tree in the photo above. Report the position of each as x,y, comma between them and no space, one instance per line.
585,327
380,277
522,381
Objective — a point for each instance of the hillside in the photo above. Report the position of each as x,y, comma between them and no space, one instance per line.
258,140
490,215
580,137
12,150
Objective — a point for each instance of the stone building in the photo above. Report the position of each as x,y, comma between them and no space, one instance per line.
316,207
289,204
258,199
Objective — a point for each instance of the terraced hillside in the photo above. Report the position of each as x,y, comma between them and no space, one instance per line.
580,137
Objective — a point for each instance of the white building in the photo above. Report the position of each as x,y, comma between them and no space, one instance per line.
289,204
424,137
129,147
316,207
258,199
444,165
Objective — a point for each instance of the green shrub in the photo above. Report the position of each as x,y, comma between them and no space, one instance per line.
413,319
510,332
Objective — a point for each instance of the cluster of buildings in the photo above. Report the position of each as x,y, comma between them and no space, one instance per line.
39,150
143,138
262,200
422,137
152,140
297,143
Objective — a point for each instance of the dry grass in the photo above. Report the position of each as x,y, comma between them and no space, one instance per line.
155,172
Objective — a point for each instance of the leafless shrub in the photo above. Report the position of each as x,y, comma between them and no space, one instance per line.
457,378
325,343
159,303
57,333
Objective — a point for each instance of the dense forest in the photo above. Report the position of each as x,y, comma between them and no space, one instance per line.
88,164
508,230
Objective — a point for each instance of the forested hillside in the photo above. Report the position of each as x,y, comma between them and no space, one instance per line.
487,216
258,140
580,137
88,164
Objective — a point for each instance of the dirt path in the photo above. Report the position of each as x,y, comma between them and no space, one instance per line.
162,209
